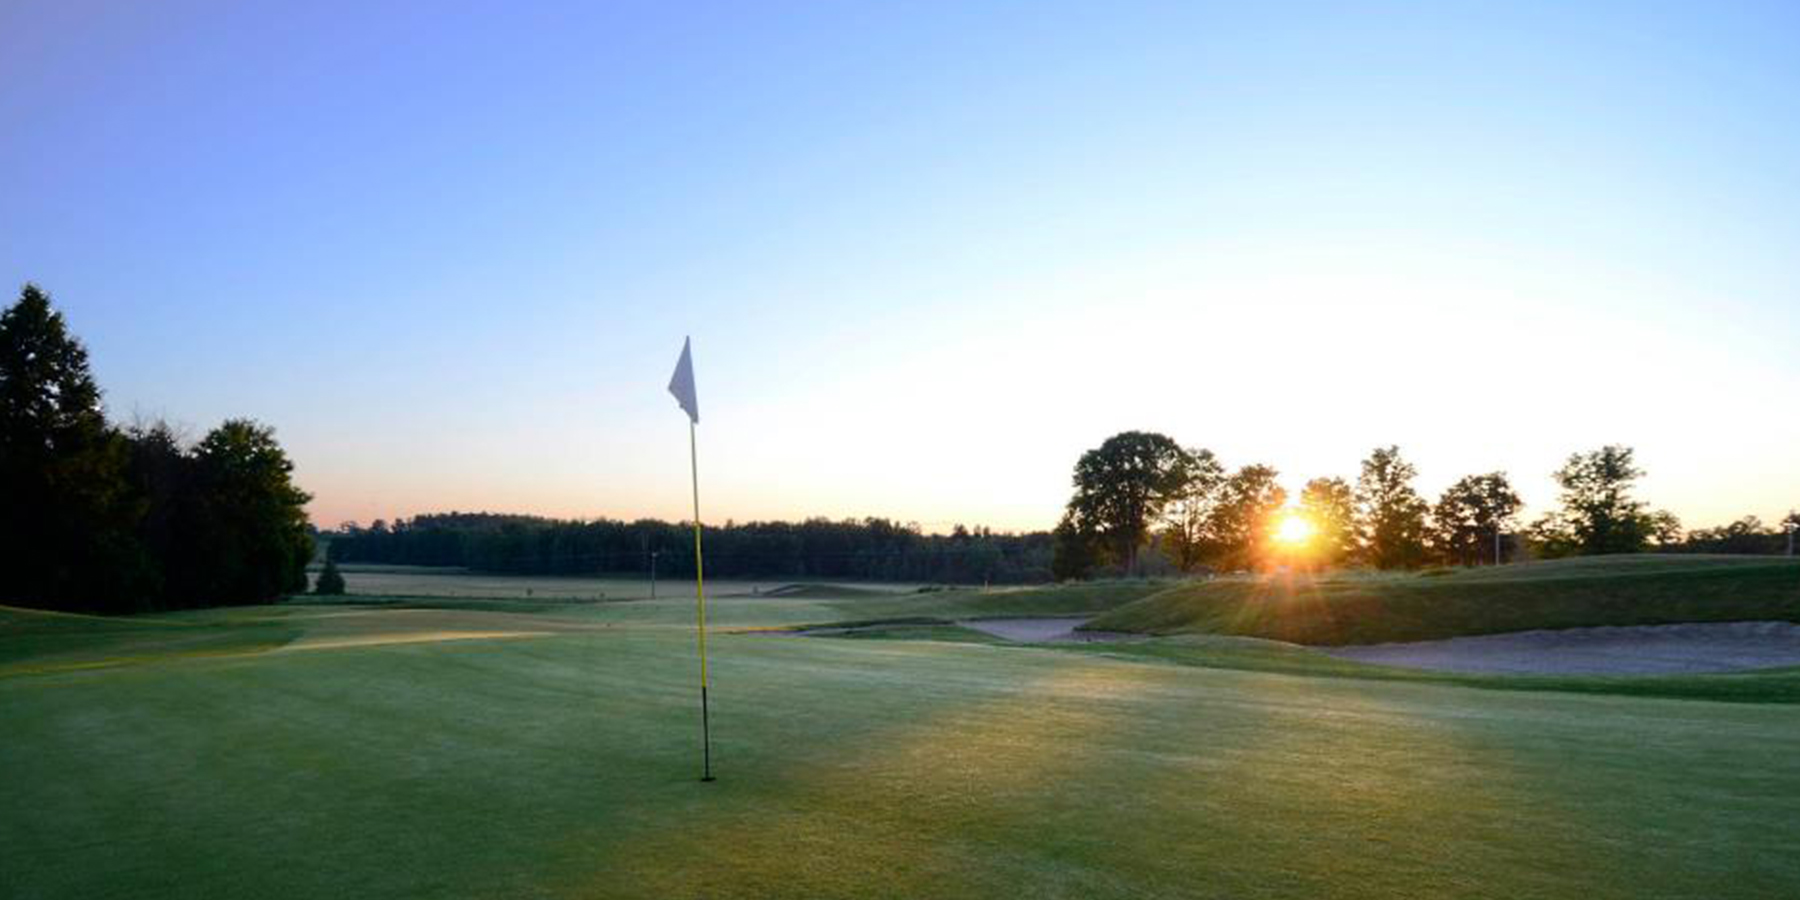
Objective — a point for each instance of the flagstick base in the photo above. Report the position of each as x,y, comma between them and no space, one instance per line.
706,735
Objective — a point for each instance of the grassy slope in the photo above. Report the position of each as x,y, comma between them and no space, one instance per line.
37,641
563,766
1054,600
1354,609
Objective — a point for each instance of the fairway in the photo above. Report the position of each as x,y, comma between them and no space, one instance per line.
471,752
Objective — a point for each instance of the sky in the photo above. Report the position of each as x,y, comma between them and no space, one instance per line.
927,254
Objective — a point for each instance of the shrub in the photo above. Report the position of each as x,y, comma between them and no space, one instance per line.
330,581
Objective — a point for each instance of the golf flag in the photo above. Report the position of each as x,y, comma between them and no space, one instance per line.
682,383
682,386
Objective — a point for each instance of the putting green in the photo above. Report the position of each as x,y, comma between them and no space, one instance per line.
561,763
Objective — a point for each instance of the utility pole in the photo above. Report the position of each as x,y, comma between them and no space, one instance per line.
653,555
1792,527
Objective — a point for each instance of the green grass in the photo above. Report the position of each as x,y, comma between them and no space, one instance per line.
562,764
972,603
1360,609
36,641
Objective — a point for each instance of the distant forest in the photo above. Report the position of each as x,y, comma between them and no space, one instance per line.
866,549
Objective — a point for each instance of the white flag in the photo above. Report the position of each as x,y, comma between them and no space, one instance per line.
682,384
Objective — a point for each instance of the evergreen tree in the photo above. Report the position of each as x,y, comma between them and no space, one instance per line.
330,581
66,526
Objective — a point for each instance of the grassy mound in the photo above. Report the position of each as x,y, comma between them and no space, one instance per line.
810,591
1363,609
38,641
973,603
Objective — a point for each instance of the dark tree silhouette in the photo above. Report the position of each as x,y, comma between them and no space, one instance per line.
250,517
1123,485
1391,513
1239,528
1185,535
1598,514
67,520
1330,504
1470,517
101,520
330,581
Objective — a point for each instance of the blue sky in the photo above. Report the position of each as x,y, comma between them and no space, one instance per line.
927,255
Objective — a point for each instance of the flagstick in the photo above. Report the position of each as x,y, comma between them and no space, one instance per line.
700,608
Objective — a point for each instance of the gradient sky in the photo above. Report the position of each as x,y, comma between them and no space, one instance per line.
928,254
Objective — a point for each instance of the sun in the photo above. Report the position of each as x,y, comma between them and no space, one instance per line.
1294,529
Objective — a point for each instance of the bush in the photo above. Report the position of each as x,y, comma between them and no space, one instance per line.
330,581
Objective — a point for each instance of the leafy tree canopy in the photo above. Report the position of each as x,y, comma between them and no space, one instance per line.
1392,514
1123,485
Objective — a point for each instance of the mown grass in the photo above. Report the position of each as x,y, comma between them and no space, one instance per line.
564,766
38,641
1353,609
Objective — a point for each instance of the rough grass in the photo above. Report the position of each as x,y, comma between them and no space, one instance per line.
1357,609
564,766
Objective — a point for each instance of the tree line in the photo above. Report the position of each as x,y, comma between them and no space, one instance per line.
871,549
1141,491
102,518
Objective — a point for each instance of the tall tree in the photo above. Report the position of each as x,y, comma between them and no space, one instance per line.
1471,515
68,515
250,518
1074,552
1123,485
1243,519
1391,513
1330,505
1597,514
1185,535
1665,528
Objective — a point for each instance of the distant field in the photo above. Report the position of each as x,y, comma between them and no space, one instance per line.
1362,609
548,750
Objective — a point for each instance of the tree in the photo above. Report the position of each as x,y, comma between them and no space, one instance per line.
1330,505
330,581
1665,528
1471,515
1391,513
1242,519
1185,536
250,518
67,520
1122,486
1598,515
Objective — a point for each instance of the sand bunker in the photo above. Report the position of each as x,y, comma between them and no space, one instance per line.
1628,650
1040,631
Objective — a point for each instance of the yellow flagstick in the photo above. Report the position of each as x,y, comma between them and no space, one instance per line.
681,384
700,609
